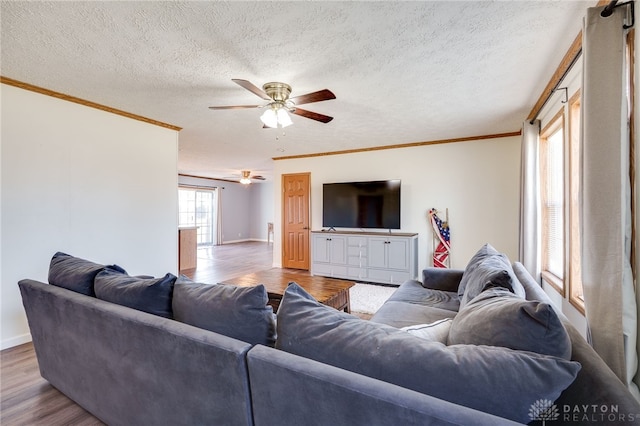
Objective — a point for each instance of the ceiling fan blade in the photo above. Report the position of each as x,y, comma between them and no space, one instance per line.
235,107
320,95
312,115
252,88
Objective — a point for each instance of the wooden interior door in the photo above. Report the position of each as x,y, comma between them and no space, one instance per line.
295,220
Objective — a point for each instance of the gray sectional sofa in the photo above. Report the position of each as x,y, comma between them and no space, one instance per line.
179,366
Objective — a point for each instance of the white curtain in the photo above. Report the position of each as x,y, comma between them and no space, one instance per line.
219,241
609,291
530,198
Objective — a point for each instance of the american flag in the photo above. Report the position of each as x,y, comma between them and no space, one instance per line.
443,233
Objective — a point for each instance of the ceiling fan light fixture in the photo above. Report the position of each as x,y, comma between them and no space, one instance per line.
283,118
245,180
269,118
276,116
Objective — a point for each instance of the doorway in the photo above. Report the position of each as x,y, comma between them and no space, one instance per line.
295,220
197,207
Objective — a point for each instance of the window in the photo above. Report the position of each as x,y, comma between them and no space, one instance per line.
196,208
552,199
575,277
560,193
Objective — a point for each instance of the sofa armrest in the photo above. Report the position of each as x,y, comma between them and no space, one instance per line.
442,279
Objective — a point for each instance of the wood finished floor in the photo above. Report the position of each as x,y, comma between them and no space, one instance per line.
28,399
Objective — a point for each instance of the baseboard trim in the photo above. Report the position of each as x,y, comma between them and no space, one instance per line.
244,240
15,341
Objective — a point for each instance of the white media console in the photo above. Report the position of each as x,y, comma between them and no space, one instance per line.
380,257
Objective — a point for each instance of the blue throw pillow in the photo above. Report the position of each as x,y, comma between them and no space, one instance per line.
488,269
484,252
238,312
498,317
74,273
152,295
496,380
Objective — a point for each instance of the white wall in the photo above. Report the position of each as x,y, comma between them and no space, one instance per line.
87,182
478,181
262,209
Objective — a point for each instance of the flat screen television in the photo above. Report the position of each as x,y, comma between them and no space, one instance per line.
372,204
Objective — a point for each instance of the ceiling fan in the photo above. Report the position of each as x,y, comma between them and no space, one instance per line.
280,104
246,177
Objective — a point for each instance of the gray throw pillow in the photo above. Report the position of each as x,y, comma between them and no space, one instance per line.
484,252
74,273
497,317
488,269
238,312
152,295
495,380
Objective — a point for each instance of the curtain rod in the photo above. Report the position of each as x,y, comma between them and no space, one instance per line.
606,12
608,9
555,88
180,185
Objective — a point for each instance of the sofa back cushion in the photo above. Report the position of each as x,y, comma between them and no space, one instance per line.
238,312
488,268
491,379
498,317
152,295
74,273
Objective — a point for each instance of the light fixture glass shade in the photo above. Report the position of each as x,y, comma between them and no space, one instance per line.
245,181
283,118
269,118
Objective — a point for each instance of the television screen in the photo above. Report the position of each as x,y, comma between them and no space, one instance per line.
373,204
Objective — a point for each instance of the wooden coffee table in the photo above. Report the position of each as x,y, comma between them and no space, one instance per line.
328,291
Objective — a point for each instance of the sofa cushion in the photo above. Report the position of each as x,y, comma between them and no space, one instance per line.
412,291
238,312
500,381
152,295
445,279
404,314
74,273
435,332
497,317
487,269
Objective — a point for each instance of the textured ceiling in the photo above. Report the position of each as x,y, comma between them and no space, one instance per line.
402,72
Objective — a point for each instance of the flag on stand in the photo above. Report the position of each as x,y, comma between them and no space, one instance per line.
442,232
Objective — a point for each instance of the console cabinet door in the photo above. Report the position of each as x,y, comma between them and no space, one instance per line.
330,249
338,250
321,249
398,254
389,253
377,252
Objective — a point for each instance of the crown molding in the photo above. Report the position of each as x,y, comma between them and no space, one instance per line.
404,145
69,98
